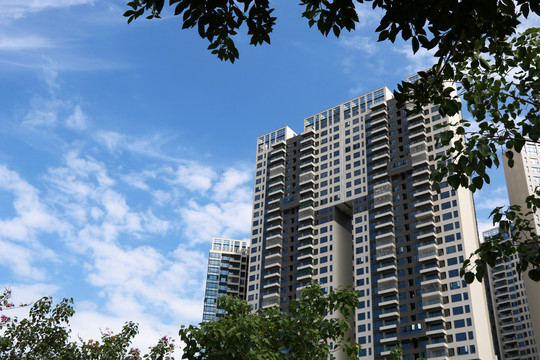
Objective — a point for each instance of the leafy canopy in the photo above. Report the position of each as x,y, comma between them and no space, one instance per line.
45,335
304,333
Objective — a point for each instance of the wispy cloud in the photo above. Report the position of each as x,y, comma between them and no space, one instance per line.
77,120
15,9
19,242
421,60
24,43
362,44
148,146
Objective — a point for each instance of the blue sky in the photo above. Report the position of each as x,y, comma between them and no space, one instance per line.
124,149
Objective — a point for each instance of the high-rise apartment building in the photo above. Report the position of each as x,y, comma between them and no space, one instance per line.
521,181
226,275
348,202
511,318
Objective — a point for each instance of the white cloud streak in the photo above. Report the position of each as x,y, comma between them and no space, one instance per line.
15,9
24,43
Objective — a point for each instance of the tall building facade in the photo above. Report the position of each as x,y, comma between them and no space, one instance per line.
511,318
521,181
348,202
226,275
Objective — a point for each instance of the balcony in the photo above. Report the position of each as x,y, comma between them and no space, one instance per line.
304,274
273,201
434,318
305,236
417,134
432,303
377,120
307,164
387,267
306,214
276,273
305,246
270,303
423,191
388,338
387,280
435,330
386,254
437,355
273,209
389,301
307,178
380,147
420,174
428,256
305,255
274,227
383,200
427,247
308,264
425,224
277,157
432,290
422,179
424,213
426,269
307,225
376,140
379,109
379,166
416,125
427,234
388,287
273,236
424,201
272,256
389,313
270,284
381,156
391,325
276,171
385,243
308,146
275,190
276,263
386,213
307,156
437,343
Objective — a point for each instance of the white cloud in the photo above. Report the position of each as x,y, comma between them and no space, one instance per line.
77,120
147,146
19,242
32,214
230,182
362,44
24,43
194,177
43,113
532,21
16,9
225,211
489,202
367,16
423,59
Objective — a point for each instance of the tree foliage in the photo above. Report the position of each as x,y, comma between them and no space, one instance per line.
316,326
476,48
45,335
304,333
